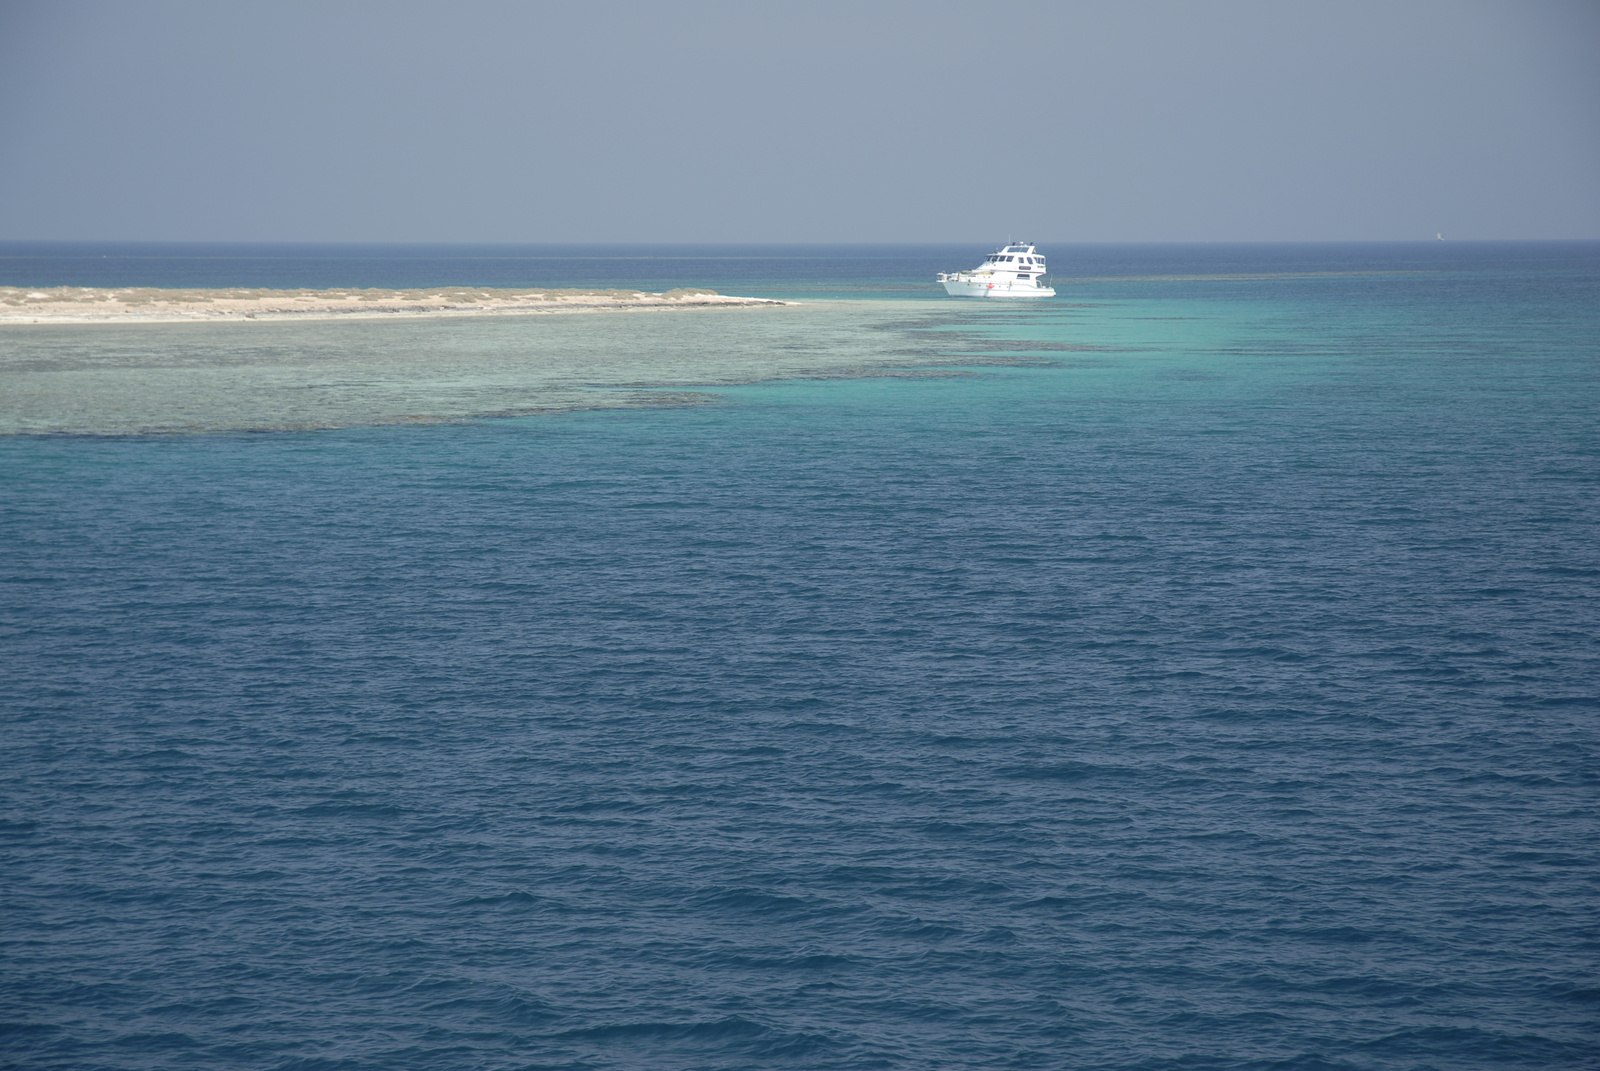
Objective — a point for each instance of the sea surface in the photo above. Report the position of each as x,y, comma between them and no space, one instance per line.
1198,670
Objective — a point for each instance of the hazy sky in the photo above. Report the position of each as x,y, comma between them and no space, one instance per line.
800,121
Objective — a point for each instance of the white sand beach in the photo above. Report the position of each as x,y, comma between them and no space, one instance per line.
87,305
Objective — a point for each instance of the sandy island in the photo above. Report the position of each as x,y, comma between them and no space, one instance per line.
86,305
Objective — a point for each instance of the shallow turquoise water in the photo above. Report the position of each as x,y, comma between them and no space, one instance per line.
1211,684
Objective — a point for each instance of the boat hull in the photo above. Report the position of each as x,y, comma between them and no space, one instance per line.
957,286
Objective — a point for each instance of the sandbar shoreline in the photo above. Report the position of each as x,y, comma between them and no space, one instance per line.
153,305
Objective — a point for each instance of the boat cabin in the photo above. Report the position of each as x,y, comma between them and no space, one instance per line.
1023,257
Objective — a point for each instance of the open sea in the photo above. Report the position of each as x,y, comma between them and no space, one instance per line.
1199,670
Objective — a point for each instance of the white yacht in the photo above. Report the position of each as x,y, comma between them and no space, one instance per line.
1012,271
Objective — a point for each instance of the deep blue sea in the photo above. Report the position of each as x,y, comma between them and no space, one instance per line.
1198,670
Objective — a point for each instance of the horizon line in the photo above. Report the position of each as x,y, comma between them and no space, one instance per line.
669,243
